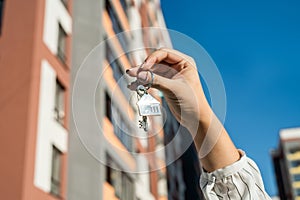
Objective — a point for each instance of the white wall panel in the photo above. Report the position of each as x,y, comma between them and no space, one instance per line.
49,131
55,14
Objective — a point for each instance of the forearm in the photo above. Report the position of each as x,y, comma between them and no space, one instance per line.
215,148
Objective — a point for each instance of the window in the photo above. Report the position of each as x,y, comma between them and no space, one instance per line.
297,192
113,17
108,106
59,109
124,6
297,177
295,163
121,128
127,187
116,25
61,47
117,71
65,2
1,14
56,172
294,150
114,176
120,181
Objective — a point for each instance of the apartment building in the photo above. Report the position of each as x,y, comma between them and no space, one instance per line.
110,157
183,171
35,65
47,150
286,160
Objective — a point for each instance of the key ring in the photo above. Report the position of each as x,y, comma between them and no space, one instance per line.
152,79
141,89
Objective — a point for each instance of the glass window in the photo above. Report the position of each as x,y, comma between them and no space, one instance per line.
117,71
121,128
59,109
295,163
296,177
120,181
1,14
294,150
298,192
127,187
124,6
61,47
65,2
56,171
116,25
114,176
113,17
108,106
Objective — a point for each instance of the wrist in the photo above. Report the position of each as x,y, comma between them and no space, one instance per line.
202,125
205,116
201,121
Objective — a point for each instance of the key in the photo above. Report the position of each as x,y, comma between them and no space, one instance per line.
143,123
147,106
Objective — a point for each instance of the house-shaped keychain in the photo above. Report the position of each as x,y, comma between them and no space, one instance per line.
148,105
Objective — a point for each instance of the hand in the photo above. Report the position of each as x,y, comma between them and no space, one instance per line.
177,77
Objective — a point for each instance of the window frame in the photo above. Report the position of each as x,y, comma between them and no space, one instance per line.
127,187
121,127
122,183
116,25
61,48
60,97
2,4
124,5
108,106
56,184
65,3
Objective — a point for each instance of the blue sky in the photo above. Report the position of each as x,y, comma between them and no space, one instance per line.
256,46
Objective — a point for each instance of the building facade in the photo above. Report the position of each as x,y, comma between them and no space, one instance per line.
120,167
183,171
35,85
42,46
286,160
35,65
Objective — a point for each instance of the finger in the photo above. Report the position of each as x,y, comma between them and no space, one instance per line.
174,59
160,69
133,71
143,78
169,56
158,82
132,86
188,58
155,81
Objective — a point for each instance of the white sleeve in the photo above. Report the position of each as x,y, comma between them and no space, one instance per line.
241,180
